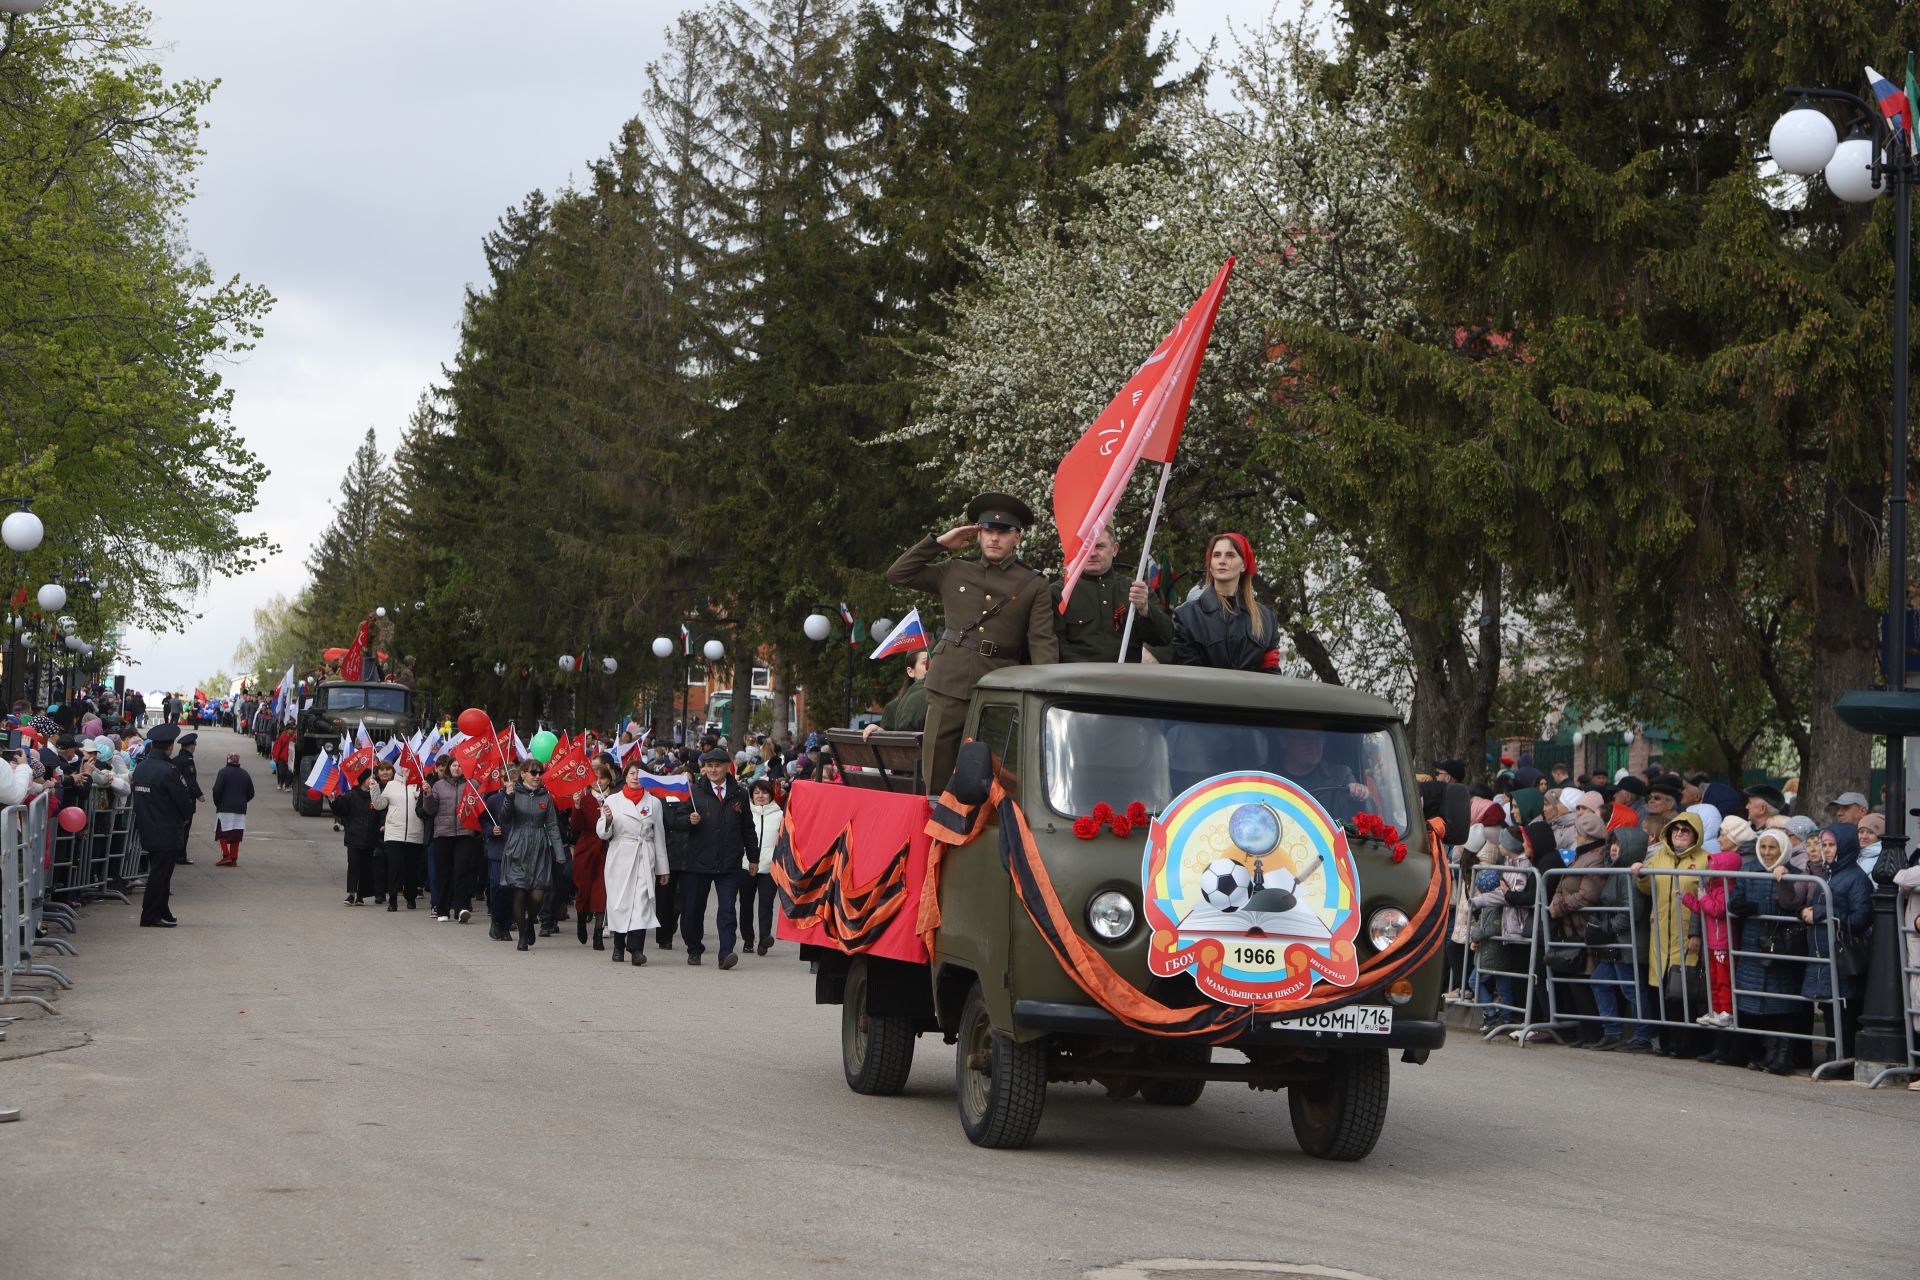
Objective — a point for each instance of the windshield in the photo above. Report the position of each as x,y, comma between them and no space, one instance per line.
369,699
1118,758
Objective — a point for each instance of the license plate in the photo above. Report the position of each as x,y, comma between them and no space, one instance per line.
1354,1020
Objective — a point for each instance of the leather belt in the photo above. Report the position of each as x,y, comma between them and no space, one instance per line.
985,648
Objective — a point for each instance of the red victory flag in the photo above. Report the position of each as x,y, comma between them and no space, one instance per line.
480,761
410,767
353,662
356,763
568,774
469,809
1143,421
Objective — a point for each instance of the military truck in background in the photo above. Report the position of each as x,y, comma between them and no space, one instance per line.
343,707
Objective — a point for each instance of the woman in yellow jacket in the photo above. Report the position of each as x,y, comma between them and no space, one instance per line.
1672,943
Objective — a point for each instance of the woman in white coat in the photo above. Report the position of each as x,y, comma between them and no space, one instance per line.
636,839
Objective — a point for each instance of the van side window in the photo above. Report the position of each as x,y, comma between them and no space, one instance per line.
999,728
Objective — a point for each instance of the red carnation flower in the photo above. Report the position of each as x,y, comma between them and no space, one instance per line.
1102,811
1399,852
1119,825
1137,814
1086,828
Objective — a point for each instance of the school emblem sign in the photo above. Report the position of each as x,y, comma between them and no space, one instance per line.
1249,886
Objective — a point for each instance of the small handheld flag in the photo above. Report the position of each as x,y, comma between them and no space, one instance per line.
1894,105
908,635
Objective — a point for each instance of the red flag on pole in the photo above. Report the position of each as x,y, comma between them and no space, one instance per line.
469,809
481,762
353,662
568,774
1143,421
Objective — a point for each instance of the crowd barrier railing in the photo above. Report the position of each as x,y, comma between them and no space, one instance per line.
86,862
1492,987
1652,1011
1909,993
25,861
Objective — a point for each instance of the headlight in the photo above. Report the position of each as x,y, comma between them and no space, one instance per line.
1384,926
1111,915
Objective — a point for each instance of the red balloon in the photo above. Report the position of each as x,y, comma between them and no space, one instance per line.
73,818
473,722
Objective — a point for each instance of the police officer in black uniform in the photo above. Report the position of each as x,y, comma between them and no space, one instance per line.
190,774
161,807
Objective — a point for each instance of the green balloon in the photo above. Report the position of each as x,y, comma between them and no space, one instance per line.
543,746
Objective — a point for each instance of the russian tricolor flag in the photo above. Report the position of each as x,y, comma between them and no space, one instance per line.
1893,105
909,635
324,780
671,786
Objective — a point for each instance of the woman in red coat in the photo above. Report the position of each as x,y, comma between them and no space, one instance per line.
282,758
590,856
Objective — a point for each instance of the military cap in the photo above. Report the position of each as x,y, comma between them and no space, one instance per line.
163,735
1001,510
189,739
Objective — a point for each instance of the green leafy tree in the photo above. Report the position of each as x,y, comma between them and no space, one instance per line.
112,329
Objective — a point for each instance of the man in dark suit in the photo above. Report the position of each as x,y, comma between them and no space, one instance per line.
720,838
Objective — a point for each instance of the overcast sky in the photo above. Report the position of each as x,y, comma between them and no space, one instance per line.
357,153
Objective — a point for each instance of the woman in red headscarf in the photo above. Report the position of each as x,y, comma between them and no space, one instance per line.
1223,625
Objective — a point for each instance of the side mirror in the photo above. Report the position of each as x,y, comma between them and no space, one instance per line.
1456,810
972,780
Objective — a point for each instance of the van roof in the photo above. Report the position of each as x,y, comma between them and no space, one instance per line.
1192,686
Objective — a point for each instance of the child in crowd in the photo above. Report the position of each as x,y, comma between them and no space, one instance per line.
1711,905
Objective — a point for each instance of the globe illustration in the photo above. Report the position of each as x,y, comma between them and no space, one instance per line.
1254,829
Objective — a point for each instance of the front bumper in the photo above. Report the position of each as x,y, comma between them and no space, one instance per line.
1089,1020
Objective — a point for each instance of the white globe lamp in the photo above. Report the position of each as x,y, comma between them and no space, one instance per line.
609,665
53,598
879,629
1850,172
714,650
662,647
817,626
22,531
1803,140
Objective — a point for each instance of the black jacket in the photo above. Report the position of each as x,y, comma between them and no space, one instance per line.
161,804
189,774
362,825
1206,635
232,789
723,836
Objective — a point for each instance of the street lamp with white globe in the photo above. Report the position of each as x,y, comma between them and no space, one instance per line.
1875,157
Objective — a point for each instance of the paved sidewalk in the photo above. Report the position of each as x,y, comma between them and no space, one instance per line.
286,1085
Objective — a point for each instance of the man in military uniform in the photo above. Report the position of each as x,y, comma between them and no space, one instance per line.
997,612
1090,626
161,807
183,764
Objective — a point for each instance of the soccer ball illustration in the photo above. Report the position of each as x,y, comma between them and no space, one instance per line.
1225,885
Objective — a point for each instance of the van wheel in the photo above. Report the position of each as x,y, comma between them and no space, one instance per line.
1179,1093
1002,1082
1340,1116
877,1053
303,804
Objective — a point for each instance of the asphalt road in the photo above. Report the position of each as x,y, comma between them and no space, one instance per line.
284,1084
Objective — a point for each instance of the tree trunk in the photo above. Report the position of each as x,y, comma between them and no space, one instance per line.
742,717
1846,641
1453,690
780,684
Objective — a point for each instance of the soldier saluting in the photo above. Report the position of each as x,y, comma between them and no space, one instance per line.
997,612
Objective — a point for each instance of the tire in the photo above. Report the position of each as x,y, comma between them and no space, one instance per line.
877,1053
1000,1103
302,805
1179,1093
1340,1118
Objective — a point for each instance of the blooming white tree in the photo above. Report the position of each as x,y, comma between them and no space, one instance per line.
1295,178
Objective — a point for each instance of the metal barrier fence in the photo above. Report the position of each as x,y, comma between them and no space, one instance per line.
1909,992
1654,1012
26,859
1495,975
88,862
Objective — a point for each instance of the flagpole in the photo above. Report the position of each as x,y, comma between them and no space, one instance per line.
1146,553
